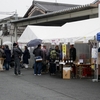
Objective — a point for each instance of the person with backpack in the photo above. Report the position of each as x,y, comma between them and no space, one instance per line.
52,58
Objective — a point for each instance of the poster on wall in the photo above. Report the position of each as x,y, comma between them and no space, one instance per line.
55,42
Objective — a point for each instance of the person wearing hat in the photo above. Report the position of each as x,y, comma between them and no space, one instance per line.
17,52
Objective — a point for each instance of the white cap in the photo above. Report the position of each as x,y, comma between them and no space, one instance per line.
71,43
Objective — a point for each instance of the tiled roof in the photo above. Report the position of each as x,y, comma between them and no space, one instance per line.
50,6
82,7
95,1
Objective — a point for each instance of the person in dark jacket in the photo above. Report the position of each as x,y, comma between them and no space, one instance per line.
26,57
73,57
72,52
17,52
38,64
8,57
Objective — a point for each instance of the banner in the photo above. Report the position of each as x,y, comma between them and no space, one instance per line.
55,42
64,49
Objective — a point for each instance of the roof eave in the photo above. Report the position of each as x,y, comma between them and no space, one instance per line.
74,9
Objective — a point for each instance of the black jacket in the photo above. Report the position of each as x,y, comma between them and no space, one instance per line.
17,52
73,53
38,52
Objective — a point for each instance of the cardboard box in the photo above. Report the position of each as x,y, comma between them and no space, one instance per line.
66,72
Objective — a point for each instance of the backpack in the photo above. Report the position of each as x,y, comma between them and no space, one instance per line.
53,54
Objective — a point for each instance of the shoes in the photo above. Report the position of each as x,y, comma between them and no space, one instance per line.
39,74
73,77
20,74
15,74
52,73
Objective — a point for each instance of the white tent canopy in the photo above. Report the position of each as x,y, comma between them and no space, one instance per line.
40,32
70,32
82,30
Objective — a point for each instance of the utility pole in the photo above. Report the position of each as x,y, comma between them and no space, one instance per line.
16,15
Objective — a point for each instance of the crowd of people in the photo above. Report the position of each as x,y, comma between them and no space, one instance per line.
13,58
43,57
53,56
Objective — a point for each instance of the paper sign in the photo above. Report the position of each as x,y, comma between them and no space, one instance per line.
94,53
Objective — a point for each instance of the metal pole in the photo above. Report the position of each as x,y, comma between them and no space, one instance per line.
97,60
16,15
16,18
1,40
95,46
15,33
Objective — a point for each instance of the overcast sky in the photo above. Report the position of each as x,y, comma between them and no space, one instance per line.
21,6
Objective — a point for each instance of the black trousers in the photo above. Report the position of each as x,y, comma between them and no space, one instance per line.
17,66
52,68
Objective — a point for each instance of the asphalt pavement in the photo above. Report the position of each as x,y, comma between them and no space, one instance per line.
46,87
